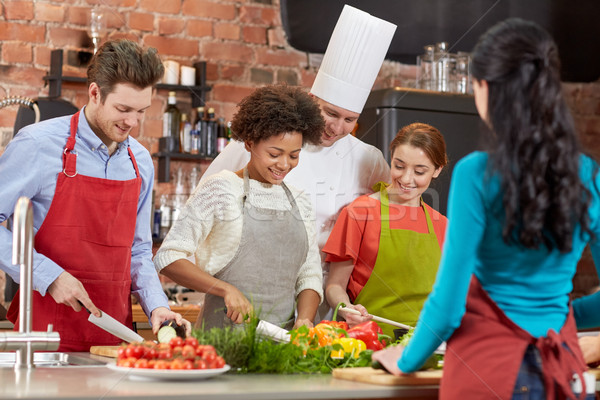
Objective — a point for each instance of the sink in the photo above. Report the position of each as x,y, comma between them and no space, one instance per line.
55,359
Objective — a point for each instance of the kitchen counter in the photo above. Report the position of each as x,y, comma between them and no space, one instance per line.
99,382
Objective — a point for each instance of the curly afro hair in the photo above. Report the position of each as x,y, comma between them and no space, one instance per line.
276,109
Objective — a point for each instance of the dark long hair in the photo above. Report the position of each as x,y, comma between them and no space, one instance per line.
537,152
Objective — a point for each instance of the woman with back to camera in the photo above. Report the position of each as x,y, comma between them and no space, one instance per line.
252,236
519,216
385,248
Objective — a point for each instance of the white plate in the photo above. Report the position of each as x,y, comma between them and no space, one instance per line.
168,374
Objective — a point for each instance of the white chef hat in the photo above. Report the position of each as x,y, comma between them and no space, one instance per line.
353,58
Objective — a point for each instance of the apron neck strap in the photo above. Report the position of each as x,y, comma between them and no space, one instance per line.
69,158
287,191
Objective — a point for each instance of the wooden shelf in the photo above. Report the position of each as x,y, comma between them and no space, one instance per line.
164,162
55,79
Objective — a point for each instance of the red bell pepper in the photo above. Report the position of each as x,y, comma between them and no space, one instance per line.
369,333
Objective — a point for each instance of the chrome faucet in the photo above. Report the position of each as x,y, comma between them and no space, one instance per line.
25,342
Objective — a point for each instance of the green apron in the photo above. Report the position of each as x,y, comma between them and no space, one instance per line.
404,273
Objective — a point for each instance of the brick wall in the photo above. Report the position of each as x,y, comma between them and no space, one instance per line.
242,42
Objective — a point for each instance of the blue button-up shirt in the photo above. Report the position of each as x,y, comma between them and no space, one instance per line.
30,166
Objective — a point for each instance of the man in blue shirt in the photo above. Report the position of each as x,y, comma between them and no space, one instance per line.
90,185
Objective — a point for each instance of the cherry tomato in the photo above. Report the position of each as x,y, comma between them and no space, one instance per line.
188,364
141,363
188,352
134,350
150,353
192,341
162,364
165,354
200,364
210,357
121,352
177,363
219,362
176,342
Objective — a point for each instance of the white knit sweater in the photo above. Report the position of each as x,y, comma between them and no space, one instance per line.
210,226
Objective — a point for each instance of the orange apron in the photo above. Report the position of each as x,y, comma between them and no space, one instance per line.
88,231
484,354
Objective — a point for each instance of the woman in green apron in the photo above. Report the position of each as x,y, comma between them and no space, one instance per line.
385,247
251,235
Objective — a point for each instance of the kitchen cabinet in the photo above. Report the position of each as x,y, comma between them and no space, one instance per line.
197,93
454,115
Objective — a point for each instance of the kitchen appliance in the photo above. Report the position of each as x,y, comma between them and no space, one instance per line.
454,115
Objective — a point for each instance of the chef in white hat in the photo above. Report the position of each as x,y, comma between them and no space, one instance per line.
342,167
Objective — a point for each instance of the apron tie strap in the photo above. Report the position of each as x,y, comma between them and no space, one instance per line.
559,360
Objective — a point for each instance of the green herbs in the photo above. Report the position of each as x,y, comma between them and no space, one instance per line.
234,344
247,353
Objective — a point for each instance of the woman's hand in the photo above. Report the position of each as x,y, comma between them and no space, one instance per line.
162,314
590,347
237,305
355,319
301,322
389,357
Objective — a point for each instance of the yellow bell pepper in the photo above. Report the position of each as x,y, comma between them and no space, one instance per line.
349,345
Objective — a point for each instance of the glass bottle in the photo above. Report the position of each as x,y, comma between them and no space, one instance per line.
196,132
165,215
185,137
221,135
210,128
425,68
171,117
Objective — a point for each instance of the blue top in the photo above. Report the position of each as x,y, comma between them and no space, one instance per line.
531,286
29,167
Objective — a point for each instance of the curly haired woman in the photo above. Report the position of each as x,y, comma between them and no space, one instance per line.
519,218
252,235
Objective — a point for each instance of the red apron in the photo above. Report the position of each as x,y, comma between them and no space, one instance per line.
89,231
484,354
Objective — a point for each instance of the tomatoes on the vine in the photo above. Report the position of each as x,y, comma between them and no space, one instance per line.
178,354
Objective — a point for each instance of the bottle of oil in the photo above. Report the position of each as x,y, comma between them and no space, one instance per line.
196,146
185,137
221,135
171,117
211,133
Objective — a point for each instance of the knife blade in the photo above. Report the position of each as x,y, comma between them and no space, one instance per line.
272,331
111,325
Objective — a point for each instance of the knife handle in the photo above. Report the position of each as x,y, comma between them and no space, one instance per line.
85,308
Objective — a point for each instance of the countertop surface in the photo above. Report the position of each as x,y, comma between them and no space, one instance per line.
99,382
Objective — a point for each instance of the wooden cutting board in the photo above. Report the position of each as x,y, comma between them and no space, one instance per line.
106,351
381,377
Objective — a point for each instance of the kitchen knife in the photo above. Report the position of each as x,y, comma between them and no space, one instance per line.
111,325
272,331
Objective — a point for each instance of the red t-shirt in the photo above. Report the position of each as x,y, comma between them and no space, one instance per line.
357,230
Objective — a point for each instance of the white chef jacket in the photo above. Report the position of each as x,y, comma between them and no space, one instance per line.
331,176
